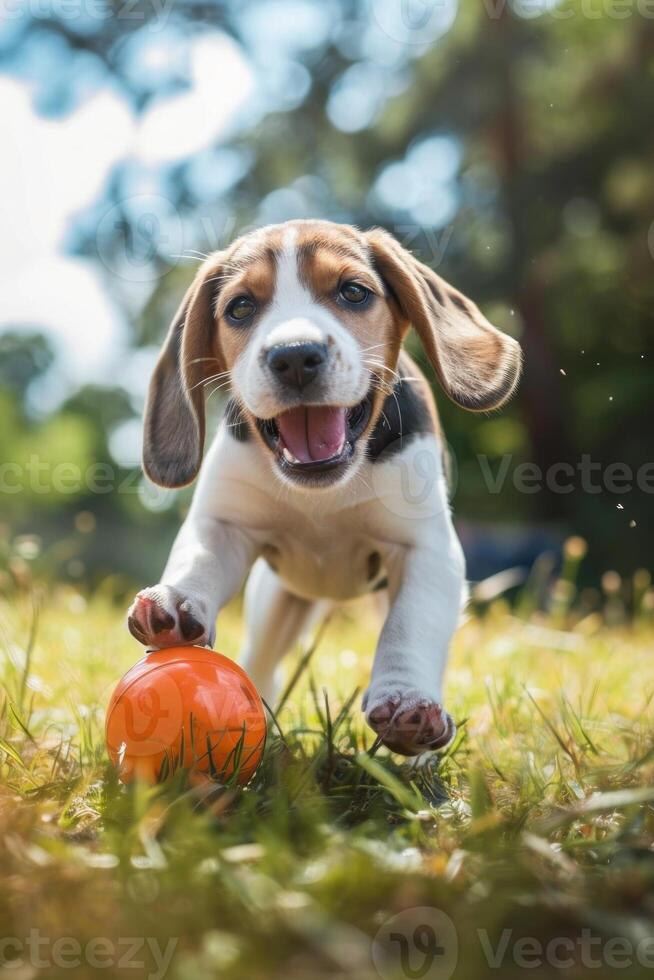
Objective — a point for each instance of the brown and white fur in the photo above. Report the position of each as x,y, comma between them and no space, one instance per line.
304,485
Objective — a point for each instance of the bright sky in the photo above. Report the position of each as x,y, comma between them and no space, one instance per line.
52,168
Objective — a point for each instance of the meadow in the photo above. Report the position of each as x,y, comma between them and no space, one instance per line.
531,836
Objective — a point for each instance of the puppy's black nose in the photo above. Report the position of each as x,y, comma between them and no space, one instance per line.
296,365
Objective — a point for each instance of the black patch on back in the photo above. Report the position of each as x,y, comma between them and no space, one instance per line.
235,421
405,414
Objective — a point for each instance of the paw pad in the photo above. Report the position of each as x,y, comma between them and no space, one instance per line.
419,728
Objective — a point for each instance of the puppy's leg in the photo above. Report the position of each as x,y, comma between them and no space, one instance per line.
404,701
427,591
275,621
206,567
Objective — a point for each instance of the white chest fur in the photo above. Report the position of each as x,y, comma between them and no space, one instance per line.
334,543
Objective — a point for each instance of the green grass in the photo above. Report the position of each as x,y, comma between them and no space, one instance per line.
539,819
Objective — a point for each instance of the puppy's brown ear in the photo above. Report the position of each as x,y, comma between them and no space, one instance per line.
477,365
173,431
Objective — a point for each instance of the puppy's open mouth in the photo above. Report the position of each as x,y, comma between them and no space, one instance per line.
314,439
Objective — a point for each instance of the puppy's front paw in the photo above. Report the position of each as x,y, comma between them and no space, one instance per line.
409,723
163,617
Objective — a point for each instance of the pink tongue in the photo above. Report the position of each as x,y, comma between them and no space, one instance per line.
313,432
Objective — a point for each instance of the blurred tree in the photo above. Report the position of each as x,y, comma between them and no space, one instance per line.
24,357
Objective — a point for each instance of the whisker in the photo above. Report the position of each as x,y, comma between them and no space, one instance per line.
371,361
358,476
224,383
380,378
206,381
217,388
382,384
200,257
196,360
399,414
364,350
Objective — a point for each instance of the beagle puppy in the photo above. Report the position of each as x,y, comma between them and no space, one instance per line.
325,480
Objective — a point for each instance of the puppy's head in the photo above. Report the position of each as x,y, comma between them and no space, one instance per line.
305,320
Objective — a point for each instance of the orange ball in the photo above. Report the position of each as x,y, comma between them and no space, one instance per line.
185,708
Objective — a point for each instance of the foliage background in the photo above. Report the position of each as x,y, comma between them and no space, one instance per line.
509,145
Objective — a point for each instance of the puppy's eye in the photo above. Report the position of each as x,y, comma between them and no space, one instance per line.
241,308
354,292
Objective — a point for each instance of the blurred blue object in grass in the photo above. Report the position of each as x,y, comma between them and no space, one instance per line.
492,548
